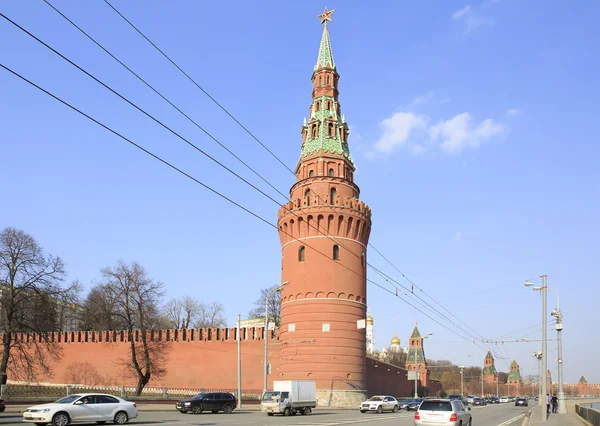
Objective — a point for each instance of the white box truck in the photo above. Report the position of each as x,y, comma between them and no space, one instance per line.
290,397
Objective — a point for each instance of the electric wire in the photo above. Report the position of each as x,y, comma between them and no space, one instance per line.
198,86
164,98
185,140
106,127
266,148
171,130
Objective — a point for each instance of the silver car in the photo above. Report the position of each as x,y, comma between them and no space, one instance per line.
442,412
379,404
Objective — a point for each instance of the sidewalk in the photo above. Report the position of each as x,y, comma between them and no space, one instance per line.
569,419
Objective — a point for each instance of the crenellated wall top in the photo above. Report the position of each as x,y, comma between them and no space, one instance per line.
122,336
339,202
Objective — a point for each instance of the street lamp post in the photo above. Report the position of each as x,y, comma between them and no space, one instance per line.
416,371
275,290
538,356
462,392
557,314
544,379
497,394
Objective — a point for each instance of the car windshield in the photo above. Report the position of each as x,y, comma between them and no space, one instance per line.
270,396
68,399
435,406
199,396
376,398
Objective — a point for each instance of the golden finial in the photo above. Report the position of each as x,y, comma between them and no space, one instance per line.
326,16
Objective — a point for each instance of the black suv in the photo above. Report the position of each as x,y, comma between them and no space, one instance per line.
211,401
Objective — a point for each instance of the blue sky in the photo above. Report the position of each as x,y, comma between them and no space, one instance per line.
472,131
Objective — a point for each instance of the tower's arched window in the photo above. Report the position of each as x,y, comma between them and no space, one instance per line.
314,130
332,193
328,105
363,259
307,195
317,106
320,80
336,252
330,131
331,172
301,254
311,173
327,80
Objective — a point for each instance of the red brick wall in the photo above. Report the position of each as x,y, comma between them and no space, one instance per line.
191,361
383,378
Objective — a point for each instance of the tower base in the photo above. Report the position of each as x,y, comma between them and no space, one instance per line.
340,398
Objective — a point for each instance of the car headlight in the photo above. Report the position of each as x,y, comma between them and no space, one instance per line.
187,403
44,410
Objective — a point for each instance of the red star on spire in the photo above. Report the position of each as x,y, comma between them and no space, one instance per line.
326,16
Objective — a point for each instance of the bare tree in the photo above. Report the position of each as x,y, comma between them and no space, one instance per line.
30,289
137,298
211,315
188,312
99,311
397,358
182,313
273,309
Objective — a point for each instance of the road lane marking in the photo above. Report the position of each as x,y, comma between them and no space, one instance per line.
351,421
514,419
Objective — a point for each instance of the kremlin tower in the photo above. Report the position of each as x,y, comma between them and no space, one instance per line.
489,369
324,231
415,359
514,378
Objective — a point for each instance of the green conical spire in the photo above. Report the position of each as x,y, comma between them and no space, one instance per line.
582,380
325,58
489,355
514,363
415,333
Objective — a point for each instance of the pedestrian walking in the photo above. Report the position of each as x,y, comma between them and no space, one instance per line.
548,402
554,402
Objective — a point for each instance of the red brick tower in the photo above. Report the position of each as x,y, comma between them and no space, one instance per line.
324,231
489,369
415,359
514,378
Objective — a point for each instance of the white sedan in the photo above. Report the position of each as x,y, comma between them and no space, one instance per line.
379,404
91,407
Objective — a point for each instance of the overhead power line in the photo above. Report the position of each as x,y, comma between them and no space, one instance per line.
188,142
170,165
164,98
168,58
198,86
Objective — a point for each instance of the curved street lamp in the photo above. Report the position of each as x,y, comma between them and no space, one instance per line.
557,314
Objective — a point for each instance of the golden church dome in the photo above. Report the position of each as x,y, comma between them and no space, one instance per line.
395,340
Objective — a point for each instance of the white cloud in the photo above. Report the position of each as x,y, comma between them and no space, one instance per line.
473,18
457,133
458,236
413,132
460,13
398,128
512,112
421,99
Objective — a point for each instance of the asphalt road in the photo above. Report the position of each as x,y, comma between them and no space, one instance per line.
491,415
